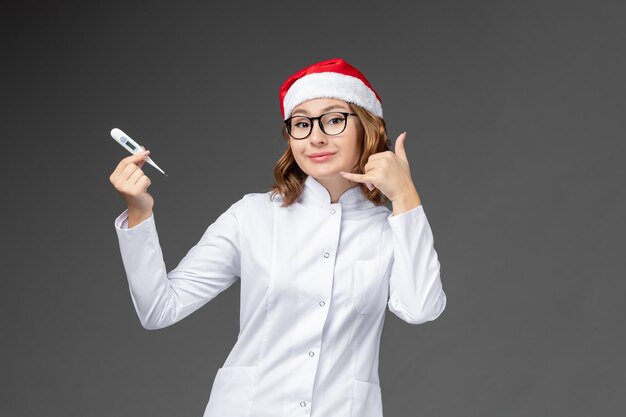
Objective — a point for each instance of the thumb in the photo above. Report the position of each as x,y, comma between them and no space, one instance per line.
399,147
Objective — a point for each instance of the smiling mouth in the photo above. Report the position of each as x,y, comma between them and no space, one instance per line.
322,157
322,154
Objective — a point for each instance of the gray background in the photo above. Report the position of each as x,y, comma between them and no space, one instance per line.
515,120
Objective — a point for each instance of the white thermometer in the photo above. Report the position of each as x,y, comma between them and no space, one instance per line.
131,146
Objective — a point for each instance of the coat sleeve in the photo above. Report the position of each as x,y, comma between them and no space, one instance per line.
415,290
162,298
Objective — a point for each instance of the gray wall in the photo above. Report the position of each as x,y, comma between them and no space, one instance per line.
515,120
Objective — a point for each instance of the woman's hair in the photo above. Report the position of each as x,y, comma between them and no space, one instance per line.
289,178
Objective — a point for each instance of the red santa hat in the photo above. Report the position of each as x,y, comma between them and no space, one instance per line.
333,78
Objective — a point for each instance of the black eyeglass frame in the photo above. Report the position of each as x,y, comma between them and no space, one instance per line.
319,123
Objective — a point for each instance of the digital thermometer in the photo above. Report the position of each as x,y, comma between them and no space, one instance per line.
131,146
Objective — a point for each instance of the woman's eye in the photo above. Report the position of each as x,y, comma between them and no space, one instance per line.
335,120
301,125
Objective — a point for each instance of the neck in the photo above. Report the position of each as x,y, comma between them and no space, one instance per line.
336,186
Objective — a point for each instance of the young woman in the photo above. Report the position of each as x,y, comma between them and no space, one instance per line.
319,256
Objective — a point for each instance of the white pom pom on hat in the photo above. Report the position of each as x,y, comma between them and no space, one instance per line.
332,78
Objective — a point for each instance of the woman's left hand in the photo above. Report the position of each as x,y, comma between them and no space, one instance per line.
389,172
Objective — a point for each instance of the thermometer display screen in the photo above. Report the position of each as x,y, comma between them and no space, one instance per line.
130,145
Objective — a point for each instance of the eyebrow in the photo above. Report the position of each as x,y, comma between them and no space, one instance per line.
334,106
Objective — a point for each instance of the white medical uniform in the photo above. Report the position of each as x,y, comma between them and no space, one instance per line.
316,279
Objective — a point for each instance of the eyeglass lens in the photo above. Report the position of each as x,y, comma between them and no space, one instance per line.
331,124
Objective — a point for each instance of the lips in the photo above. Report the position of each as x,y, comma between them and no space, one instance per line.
321,157
315,155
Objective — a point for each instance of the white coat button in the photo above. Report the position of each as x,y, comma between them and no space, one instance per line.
332,211
302,404
322,303
326,254
311,353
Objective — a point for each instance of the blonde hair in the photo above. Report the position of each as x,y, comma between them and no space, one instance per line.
289,178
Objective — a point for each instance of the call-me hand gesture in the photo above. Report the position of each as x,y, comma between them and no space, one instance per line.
390,173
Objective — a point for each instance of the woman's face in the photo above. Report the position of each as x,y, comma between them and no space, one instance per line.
344,148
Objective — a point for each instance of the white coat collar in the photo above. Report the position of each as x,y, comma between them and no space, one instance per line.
315,194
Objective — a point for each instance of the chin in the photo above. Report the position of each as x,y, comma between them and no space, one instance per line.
323,172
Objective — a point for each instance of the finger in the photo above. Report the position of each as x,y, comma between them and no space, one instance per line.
144,182
399,147
142,161
135,177
371,164
128,171
141,178
358,178
353,177
134,158
143,158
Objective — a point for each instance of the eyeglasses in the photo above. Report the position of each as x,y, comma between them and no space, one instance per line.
300,127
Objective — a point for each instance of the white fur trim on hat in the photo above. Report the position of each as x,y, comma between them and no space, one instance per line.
331,85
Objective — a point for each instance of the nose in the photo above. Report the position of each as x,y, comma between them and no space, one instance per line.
317,136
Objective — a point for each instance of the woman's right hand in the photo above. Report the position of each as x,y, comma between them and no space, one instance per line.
132,184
